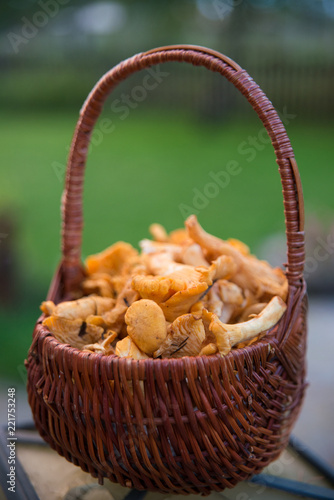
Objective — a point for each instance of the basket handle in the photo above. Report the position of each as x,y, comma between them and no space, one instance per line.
199,56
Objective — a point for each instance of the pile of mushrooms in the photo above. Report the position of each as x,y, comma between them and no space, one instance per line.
187,293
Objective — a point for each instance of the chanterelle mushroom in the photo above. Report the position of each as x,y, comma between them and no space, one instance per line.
252,274
116,259
75,332
126,348
146,325
208,350
158,232
252,311
171,249
178,286
185,338
114,319
78,309
233,300
193,256
178,236
229,335
100,283
104,345
187,294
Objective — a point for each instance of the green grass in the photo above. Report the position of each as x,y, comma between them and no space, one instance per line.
141,173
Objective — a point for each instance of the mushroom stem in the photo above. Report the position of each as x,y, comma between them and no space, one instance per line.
229,335
253,274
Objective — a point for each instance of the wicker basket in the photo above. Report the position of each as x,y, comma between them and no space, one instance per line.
188,425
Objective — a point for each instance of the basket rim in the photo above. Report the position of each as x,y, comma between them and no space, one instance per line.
266,341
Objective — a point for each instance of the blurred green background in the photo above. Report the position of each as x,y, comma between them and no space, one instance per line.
155,164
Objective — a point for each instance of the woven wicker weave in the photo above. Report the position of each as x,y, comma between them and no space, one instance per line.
188,425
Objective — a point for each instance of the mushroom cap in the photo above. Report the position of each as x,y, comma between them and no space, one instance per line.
185,338
181,302
193,256
126,348
114,319
178,286
79,309
75,332
146,325
48,307
104,346
150,247
157,288
104,284
209,349
114,260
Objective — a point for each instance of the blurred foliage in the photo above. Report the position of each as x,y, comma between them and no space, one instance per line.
52,61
